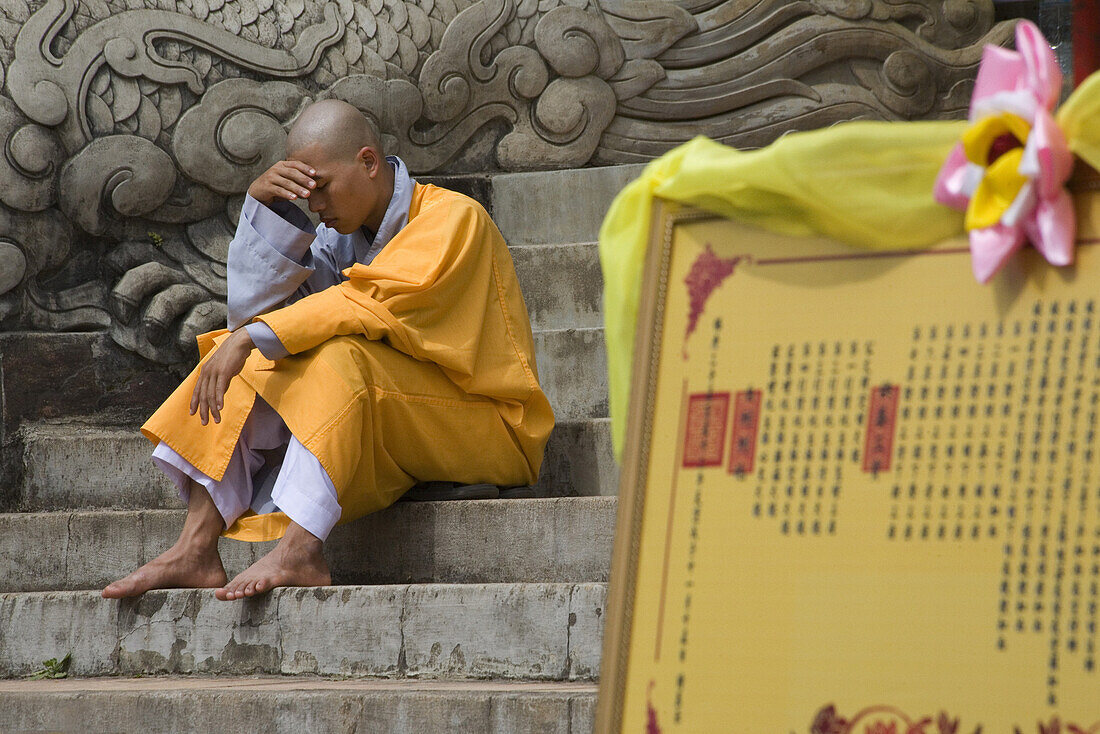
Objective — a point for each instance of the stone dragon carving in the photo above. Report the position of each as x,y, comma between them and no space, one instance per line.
131,128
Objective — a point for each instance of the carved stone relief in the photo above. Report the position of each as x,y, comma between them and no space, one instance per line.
131,128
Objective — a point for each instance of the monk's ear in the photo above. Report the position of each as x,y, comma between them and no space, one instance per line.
369,157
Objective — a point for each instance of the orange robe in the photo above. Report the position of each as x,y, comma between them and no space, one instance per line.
419,367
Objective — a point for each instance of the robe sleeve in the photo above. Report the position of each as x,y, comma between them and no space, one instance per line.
431,293
265,340
269,259
412,273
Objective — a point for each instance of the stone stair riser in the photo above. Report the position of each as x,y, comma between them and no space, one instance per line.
71,466
487,541
573,372
100,378
299,712
544,207
562,285
504,631
579,461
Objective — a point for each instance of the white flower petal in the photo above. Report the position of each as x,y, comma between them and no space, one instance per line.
1029,164
1020,103
1021,206
972,176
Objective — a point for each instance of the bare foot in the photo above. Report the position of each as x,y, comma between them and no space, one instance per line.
177,568
193,562
296,561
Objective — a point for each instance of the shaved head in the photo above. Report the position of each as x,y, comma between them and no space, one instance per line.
350,182
335,126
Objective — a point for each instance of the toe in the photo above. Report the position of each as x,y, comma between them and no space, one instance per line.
250,589
119,589
229,591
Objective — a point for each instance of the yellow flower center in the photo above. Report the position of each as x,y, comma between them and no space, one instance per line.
998,189
979,139
985,145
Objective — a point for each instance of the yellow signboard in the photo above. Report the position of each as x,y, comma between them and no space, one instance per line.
861,492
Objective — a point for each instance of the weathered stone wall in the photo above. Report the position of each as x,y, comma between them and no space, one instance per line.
131,128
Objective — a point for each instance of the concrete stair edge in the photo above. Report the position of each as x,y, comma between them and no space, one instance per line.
296,705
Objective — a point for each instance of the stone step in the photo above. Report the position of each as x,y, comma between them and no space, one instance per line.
572,367
562,540
562,285
543,207
506,631
72,465
296,705
86,462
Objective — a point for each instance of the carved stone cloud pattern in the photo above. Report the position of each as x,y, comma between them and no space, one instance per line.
131,128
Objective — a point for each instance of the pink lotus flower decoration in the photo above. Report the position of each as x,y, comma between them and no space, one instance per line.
1009,171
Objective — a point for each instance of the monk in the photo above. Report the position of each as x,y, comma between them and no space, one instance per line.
389,345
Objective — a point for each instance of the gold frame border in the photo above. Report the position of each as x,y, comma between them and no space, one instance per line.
619,609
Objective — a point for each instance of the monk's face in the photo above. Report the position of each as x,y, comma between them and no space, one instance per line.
349,188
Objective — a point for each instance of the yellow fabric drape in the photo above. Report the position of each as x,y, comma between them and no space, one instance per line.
868,184
865,183
1079,119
